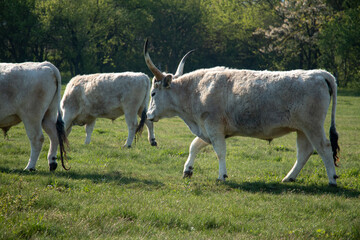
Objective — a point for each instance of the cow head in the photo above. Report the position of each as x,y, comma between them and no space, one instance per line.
160,88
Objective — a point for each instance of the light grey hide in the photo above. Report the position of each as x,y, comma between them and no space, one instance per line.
107,95
218,103
30,92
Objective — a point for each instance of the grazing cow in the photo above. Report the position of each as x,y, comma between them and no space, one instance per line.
30,92
219,103
108,95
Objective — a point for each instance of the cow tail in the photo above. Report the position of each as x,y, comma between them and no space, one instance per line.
334,136
140,127
60,128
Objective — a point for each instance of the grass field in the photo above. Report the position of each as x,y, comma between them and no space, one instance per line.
139,193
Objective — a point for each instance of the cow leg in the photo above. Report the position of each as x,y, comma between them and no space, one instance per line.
151,135
49,125
196,145
219,146
36,137
216,136
304,151
89,128
131,121
323,147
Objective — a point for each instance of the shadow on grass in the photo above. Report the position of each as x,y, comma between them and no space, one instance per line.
113,176
283,188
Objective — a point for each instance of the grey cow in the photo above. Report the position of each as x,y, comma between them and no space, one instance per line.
30,93
108,95
219,103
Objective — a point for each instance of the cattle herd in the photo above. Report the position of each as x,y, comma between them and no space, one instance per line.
215,103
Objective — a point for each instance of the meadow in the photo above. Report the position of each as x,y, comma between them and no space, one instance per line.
139,193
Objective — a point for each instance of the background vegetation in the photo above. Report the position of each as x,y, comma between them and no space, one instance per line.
139,193
87,36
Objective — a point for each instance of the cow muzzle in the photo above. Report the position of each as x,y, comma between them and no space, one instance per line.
150,117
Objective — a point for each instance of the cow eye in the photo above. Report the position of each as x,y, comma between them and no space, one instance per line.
152,94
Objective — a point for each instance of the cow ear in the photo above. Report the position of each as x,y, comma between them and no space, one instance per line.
167,81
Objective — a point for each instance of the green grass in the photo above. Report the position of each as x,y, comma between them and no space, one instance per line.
139,193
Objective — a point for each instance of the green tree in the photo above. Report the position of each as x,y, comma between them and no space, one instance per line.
229,28
18,28
340,46
296,36
174,30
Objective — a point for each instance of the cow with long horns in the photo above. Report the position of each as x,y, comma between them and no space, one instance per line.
30,93
220,102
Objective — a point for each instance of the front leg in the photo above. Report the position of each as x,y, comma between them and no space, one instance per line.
219,146
196,145
89,128
215,131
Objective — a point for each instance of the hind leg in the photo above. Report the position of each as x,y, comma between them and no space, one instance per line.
36,137
49,125
89,128
304,151
322,145
131,122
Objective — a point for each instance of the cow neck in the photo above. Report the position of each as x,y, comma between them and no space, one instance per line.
181,101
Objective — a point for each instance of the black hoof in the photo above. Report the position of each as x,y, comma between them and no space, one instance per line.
32,170
53,166
225,176
291,180
153,143
336,176
187,174
333,185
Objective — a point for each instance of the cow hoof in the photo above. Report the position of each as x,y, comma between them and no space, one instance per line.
187,174
223,178
52,166
336,176
288,180
333,185
153,143
30,169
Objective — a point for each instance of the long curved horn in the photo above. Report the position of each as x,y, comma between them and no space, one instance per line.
180,68
157,73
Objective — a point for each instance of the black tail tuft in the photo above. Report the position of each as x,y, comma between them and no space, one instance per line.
334,137
140,127
60,128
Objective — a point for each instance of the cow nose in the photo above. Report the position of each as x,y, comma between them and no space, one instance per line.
150,117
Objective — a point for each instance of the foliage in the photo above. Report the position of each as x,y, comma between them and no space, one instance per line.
296,37
340,44
108,35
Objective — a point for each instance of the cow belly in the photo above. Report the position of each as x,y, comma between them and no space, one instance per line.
113,114
9,121
265,134
272,133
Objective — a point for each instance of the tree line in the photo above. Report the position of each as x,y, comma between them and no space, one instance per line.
88,36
